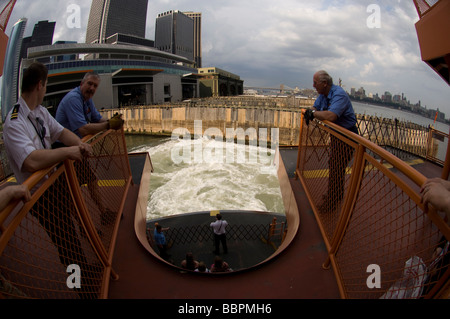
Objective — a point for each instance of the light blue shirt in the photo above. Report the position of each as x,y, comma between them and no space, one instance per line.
73,112
339,103
160,239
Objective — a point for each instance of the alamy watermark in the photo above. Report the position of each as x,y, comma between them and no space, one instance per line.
374,279
374,19
208,146
74,279
73,21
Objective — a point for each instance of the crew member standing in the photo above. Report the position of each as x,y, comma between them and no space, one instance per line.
28,133
219,227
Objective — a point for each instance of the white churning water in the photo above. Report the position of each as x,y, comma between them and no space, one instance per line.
202,175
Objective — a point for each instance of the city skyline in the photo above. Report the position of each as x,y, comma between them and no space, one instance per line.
285,43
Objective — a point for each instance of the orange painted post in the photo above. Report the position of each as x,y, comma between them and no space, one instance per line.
302,121
272,229
429,143
446,169
284,234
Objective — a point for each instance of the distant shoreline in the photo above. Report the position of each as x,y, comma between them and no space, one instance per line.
397,107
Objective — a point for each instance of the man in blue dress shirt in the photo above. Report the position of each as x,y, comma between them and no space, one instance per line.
334,105
77,111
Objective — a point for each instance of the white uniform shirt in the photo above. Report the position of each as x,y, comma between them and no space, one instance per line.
21,138
219,226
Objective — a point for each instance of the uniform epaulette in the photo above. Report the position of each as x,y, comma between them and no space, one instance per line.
15,112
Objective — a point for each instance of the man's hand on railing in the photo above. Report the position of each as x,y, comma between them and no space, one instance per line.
13,192
436,191
309,116
86,149
116,122
77,153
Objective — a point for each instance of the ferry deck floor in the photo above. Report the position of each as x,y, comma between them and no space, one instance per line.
296,273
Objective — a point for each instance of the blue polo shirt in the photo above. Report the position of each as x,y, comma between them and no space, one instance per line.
73,112
339,103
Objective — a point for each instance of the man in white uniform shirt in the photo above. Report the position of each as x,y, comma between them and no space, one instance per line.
28,133
220,234
29,130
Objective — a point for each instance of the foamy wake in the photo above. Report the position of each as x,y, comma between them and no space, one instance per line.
217,184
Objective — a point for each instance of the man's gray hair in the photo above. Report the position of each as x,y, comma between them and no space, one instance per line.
89,74
324,76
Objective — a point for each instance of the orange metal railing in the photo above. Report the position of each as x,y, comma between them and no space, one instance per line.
368,207
423,6
277,231
406,137
60,244
5,14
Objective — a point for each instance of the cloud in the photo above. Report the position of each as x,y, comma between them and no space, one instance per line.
269,43
368,68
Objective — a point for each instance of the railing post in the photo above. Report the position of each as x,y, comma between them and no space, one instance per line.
272,229
297,167
429,141
446,169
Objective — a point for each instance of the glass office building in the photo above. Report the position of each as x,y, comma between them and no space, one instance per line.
174,33
11,69
197,19
108,17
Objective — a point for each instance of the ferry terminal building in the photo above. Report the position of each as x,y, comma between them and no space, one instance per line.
130,75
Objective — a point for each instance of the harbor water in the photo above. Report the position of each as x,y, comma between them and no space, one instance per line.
390,113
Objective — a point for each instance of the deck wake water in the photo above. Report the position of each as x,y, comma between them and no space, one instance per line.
246,180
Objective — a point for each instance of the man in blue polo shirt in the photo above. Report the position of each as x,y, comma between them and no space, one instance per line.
160,240
77,111
334,105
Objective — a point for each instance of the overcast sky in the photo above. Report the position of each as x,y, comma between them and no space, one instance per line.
268,43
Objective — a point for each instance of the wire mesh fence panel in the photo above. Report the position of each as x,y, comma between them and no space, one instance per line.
382,226
400,137
204,233
326,172
59,247
49,239
103,179
388,229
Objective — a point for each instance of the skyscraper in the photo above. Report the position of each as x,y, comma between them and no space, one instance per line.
108,17
10,77
174,33
42,35
197,17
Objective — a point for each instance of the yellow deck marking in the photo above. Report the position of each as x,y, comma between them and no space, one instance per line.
325,172
110,183
214,212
